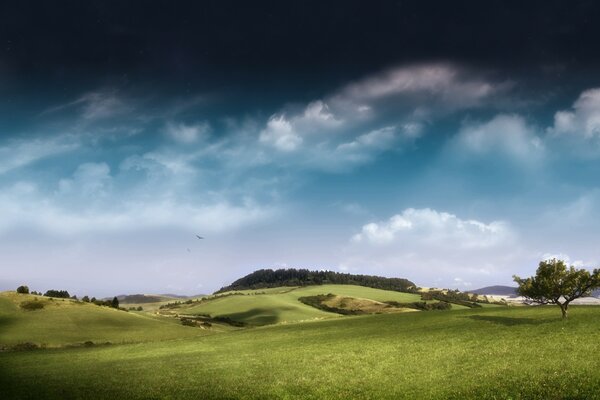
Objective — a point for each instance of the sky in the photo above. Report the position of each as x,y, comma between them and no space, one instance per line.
451,143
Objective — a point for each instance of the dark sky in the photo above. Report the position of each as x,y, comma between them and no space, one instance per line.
221,44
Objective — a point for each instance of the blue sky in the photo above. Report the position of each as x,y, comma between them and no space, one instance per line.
451,143
436,171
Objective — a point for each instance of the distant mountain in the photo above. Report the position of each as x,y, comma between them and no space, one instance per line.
267,278
497,290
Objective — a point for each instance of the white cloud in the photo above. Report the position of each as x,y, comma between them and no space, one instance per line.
187,133
376,139
583,119
431,226
21,152
562,256
506,133
333,128
431,246
280,134
417,89
24,206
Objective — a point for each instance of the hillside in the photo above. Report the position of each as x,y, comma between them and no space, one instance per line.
144,298
282,305
490,353
268,278
64,322
497,290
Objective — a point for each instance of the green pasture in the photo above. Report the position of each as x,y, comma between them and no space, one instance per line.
487,353
281,305
65,321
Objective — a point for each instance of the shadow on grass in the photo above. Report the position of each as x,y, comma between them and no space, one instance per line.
259,316
509,321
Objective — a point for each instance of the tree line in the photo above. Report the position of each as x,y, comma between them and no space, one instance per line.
267,278
63,294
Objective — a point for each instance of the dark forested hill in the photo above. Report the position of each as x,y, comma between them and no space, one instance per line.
266,278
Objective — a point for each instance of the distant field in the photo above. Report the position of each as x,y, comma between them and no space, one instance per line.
71,322
281,305
491,353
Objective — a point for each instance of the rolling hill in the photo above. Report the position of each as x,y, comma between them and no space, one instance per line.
58,322
281,305
486,353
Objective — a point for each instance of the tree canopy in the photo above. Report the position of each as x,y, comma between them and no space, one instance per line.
266,278
555,283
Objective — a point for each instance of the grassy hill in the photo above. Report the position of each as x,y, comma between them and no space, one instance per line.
281,305
486,353
61,322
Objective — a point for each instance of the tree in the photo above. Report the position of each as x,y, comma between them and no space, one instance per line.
57,293
555,283
114,303
85,299
23,289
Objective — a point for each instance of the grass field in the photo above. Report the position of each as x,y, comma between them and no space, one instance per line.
492,353
281,305
71,322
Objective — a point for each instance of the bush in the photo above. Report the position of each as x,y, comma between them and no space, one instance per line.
57,293
188,322
23,289
32,305
25,346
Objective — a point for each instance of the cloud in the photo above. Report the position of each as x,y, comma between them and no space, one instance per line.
432,246
505,133
381,112
25,206
583,119
280,134
187,134
431,226
95,105
89,180
17,153
420,89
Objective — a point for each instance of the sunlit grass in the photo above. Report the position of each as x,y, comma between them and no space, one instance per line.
495,353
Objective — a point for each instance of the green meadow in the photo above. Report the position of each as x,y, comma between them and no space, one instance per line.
67,322
281,305
484,353
516,353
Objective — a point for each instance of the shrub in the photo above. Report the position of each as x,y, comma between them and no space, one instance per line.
188,322
25,346
57,293
23,289
32,305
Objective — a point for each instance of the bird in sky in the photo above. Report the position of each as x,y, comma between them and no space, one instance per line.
199,237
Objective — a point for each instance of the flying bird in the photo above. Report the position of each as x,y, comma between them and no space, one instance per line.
199,237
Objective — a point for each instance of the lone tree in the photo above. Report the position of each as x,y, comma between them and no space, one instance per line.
114,303
23,289
555,283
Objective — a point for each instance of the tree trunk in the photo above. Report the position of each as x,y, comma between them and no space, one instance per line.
564,309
